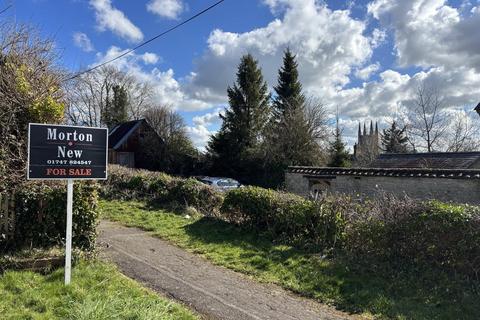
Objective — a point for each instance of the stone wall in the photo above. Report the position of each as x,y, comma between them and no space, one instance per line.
444,189
297,183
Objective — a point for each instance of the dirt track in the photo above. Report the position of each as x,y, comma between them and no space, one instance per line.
212,291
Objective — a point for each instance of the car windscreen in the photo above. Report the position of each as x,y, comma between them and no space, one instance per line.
227,183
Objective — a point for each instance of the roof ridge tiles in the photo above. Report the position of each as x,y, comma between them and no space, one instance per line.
394,172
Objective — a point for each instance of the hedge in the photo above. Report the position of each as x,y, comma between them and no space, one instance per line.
284,217
400,232
124,183
41,215
404,232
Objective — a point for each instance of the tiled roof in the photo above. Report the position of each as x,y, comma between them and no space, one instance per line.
438,160
121,132
391,172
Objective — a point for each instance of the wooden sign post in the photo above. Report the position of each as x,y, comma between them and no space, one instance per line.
57,152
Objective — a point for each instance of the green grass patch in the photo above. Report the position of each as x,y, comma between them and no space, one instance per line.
386,293
98,291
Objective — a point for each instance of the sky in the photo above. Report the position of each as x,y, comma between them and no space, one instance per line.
366,58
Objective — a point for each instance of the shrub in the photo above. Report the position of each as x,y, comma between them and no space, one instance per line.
285,217
160,186
402,233
420,234
41,215
124,183
190,192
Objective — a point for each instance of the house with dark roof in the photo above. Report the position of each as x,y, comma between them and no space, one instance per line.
444,176
127,142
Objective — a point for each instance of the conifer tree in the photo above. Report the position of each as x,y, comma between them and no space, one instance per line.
339,156
116,107
235,148
289,89
394,139
292,138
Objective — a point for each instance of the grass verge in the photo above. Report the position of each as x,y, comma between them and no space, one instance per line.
98,291
387,294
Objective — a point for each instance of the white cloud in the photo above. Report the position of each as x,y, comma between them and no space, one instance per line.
393,95
170,9
110,18
200,136
378,37
128,61
366,72
201,131
167,90
208,118
150,58
329,45
82,41
430,32
332,47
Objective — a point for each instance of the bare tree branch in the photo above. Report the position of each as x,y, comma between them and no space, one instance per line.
428,120
89,94
463,135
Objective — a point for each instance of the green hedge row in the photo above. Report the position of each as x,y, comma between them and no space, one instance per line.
285,217
124,183
407,232
400,232
41,215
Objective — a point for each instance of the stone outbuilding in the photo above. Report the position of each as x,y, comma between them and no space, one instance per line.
444,176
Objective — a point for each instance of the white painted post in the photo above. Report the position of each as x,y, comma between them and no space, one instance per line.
68,238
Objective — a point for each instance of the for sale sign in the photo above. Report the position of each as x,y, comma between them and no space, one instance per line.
66,152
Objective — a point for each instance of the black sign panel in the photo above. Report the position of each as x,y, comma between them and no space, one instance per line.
66,152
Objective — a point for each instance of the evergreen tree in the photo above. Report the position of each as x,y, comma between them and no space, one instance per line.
289,89
291,136
339,156
394,139
235,148
116,108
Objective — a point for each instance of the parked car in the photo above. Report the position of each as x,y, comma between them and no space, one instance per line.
222,184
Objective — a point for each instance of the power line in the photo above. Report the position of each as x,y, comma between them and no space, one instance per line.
8,7
147,41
